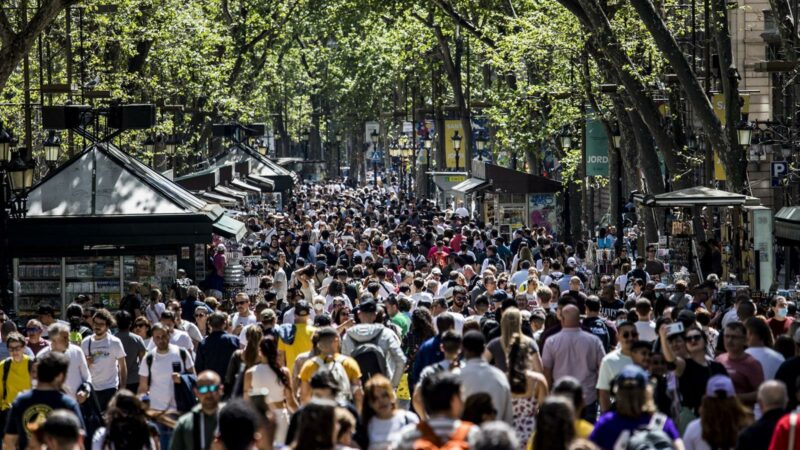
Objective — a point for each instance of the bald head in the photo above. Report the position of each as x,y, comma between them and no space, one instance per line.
208,377
570,316
772,395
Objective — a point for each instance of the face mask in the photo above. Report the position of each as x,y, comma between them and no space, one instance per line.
782,312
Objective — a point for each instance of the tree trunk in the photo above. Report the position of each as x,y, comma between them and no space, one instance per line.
453,72
695,95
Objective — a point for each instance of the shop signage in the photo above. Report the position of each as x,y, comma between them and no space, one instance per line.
596,148
454,178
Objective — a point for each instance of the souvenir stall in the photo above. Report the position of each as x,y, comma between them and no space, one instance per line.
787,235
102,220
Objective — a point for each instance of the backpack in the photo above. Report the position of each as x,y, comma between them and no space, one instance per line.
371,358
649,437
430,441
336,368
7,371
184,397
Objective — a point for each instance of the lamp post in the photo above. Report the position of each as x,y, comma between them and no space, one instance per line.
374,139
427,142
16,179
566,140
457,147
52,146
617,140
480,145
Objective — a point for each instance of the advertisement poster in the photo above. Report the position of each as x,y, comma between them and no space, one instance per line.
542,208
718,103
596,148
450,127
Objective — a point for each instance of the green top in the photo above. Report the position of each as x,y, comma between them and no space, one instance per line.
401,320
184,435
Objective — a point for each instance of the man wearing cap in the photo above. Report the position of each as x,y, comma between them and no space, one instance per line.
215,350
295,338
374,333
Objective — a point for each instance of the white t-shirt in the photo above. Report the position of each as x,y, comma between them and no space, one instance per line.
153,312
458,318
383,431
770,360
192,330
104,353
162,390
237,320
693,437
78,370
610,367
647,330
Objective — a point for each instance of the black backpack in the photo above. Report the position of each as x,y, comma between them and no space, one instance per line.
371,358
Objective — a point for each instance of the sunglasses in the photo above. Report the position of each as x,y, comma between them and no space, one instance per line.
240,303
207,389
199,315
630,334
693,338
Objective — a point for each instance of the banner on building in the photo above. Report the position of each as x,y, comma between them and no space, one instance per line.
450,127
596,148
718,103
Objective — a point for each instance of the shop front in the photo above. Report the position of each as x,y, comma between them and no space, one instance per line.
445,195
787,235
510,199
104,220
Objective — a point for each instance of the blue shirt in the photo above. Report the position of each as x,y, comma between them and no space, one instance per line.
33,407
429,352
214,352
188,305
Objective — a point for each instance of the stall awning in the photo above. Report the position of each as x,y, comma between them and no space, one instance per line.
230,192
230,228
239,184
269,184
218,198
787,224
695,196
471,185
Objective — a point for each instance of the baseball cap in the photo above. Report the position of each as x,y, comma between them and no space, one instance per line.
436,271
539,314
632,376
368,306
268,315
720,386
571,261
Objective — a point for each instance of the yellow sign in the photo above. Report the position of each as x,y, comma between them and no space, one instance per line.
450,127
455,178
718,103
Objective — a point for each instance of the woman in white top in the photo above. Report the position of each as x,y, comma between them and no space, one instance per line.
383,418
126,426
155,307
273,378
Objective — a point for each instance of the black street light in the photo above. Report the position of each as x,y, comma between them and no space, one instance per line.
6,142
373,137
52,147
480,145
457,147
616,138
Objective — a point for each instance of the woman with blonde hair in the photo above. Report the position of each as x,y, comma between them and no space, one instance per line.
722,417
498,348
381,416
523,254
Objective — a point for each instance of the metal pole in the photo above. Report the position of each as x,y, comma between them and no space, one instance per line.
5,253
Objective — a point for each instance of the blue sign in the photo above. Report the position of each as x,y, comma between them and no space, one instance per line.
778,171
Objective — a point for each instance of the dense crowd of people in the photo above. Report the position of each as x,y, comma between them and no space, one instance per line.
384,323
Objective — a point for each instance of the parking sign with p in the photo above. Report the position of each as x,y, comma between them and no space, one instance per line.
778,171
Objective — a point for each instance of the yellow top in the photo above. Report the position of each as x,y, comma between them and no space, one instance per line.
350,367
582,431
19,380
302,343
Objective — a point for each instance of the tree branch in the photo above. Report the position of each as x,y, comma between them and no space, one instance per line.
462,21
7,34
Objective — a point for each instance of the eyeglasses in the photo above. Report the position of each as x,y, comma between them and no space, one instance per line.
630,334
693,338
34,330
14,348
207,389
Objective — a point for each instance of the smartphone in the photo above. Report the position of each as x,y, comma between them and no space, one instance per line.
674,328
176,367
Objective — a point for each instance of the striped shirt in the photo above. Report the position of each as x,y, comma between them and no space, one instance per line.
444,427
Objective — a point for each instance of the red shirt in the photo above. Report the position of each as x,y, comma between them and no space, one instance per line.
780,437
746,373
780,327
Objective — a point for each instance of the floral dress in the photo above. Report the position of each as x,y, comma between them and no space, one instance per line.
524,418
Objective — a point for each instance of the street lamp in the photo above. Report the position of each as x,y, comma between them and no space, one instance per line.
566,140
480,145
20,174
149,145
262,147
170,145
374,138
745,132
52,146
457,147
616,138
6,140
